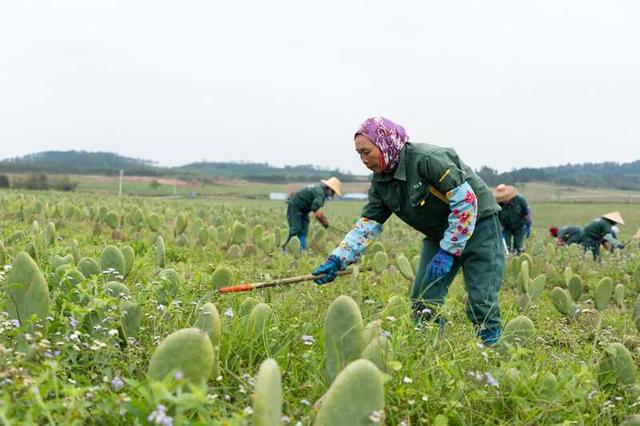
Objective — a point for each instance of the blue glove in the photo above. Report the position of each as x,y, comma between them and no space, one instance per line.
440,265
527,229
330,267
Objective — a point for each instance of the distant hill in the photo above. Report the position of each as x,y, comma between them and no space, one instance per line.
594,175
105,163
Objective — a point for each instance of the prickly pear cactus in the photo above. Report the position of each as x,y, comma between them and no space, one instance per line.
131,318
258,319
221,277
519,330
160,251
267,396
247,306
603,293
50,234
636,277
257,234
379,352
355,398
294,247
112,260
380,262
618,295
343,335
89,267
375,248
129,256
116,289
181,225
209,321
415,263
537,285
372,330
112,220
562,302
616,367
188,351
27,290
397,307
404,266
234,252
524,278
238,233
154,222
574,283
58,261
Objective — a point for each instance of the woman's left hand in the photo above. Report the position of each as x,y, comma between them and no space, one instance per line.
440,265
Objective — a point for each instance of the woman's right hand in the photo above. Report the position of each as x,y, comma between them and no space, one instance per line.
330,268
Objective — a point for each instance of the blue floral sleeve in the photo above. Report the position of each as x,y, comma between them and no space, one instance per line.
356,241
462,219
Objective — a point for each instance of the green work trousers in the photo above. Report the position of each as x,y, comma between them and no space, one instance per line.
514,238
298,221
482,264
589,244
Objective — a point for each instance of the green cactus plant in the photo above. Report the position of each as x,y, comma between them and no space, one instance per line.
131,318
203,236
379,352
380,262
234,252
524,277
160,252
562,302
209,320
58,261
375,248
602,294
267,396
188,351
116,289
404,266
537,285
27,290
154,222
635,313
221,277
112,220
181,225
618,295
267,243
397,307
616,367
238,233
258,319
50,234
294,247
519,330
354,397
575,285
89,267
129,256
343,335
247,306
635,278
112,259
372,330
257,234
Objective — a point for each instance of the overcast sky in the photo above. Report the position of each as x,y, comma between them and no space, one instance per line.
507,83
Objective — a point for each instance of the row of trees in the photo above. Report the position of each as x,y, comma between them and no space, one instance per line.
38,181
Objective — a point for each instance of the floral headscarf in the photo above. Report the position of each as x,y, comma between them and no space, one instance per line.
388,136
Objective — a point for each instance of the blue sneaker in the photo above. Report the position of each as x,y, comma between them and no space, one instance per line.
490,336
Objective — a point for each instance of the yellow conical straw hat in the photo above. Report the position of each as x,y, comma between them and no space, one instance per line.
334,183
504,193
614,217
637,236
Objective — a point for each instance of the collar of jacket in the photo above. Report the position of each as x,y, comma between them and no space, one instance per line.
401,170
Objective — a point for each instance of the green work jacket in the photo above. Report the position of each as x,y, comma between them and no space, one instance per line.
416,191
595,231
308,199
515,213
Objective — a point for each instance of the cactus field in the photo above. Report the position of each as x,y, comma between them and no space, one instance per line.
110,314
